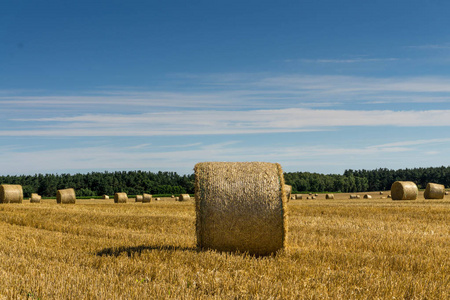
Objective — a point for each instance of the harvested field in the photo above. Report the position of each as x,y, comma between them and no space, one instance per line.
337,249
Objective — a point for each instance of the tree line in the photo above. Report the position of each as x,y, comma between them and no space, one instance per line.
139,182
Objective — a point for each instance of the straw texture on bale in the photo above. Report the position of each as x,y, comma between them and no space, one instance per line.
120,198
105,197
146,198
434,191
367,196
404,190
184,197
298,197
240,206
35,198
138,198
66,196
329,196
11,193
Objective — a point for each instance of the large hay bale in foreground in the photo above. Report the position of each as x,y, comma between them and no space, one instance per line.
66,196
184,197
139,198
240,206
120,198
146,198
11,193
434,191
35,198
329,196
404,190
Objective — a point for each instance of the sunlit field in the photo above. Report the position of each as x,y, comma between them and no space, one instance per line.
337,249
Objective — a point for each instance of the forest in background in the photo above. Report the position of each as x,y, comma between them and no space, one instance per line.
139,182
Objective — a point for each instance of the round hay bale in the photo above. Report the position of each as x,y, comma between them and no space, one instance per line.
389,196
367,196
316,195
446,193
298,197
240,206
404,190
434,191
358,196
381,193
11,193
329,196
66,196
157,199
139,198
120,198
35,198
184,197
308,198
313,197
106,197
146,198
173,196
310,194
288,191
353,196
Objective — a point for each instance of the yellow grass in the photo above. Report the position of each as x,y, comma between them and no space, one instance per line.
338,249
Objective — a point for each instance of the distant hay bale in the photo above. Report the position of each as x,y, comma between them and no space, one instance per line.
367,196
106,197
139,198
35,198
353,196
446,193
308,198
434,191
292,197
313,197
11,193
310,194
240,206
120,198
381,193
404,190
157,199
66,196
316,195
172,196
389,196
184,197
146,198
298,197
288,191
358,196
329,196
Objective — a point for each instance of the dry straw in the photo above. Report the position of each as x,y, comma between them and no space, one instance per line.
11,193
139,198
434,191
404,190
184,197
329,196
298,197
240,206
120,198
65,196
146,198
35,198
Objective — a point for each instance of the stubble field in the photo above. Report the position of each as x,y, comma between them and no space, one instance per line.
337,249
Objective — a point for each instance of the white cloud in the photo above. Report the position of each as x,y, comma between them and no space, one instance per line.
223,122
344,61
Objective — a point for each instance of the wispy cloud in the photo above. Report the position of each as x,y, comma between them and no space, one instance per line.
343,61
432,46
223,122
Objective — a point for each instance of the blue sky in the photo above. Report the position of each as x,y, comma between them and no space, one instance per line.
320,86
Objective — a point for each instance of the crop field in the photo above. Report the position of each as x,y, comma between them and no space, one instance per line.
337,249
